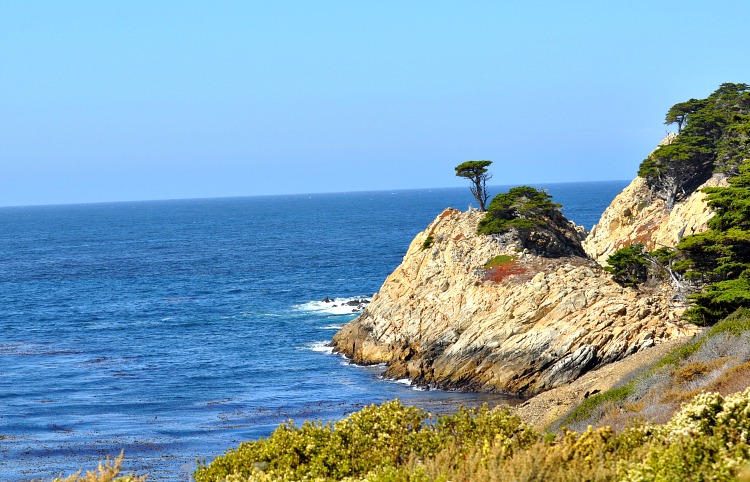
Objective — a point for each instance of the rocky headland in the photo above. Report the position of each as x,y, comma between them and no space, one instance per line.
541,316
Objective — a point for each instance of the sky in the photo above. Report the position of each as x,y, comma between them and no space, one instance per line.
140,100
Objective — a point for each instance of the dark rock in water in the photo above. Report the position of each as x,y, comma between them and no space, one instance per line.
353,303
326,300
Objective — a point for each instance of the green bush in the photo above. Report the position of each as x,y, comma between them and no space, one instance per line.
708,439
377,440
521,207
373,437
428,242
629,265
720,257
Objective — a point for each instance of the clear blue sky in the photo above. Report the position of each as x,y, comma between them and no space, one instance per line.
130,100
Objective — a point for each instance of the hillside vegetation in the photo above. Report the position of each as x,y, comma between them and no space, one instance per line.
707,439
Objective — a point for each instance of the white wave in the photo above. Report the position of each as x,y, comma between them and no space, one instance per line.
320,347
336,306
407,382
331,327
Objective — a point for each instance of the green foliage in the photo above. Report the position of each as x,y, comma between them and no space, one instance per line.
376,440
471,169
720,257
708,439
629,265
427,243
679,112
714,136
632,265
735,324
521,208
353,446
591,410
718,299
477,173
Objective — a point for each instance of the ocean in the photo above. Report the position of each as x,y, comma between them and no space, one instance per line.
174,330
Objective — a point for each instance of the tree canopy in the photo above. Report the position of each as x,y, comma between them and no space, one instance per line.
521,207
679,112
629,266
719,259
477,173
714,135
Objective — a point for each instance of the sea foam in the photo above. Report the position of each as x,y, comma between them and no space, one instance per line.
337,306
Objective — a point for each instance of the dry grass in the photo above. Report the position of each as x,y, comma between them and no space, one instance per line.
718,361
733,380
693,370
107,472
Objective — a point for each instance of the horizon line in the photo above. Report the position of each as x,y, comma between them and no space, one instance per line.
86,203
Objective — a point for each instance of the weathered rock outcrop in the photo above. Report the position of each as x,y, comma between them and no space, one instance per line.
442,320
637,216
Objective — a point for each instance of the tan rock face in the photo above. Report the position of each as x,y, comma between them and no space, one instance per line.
637,216
438,321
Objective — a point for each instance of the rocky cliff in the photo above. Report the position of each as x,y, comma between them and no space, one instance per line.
636,215
483,313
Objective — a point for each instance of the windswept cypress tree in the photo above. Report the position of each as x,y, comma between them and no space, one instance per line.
720,257
714,135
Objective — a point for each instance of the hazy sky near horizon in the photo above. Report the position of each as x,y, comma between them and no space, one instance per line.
113,101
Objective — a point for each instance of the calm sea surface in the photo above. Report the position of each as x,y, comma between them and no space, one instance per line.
176,329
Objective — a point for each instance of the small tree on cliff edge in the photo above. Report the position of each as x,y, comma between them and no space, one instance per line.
476,172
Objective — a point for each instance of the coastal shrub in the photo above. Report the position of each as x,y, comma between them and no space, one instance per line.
386,439
707,439
521,207
628,265
107,472
428,242
373,437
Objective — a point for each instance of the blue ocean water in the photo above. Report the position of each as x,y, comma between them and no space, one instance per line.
176,329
